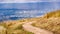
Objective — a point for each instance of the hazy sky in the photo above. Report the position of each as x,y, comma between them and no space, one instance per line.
38,5
42,6
25,1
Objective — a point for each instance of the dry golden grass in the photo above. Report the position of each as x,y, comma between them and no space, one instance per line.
50,21
52,14
14,27
49,24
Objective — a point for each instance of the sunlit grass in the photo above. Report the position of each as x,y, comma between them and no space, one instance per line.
52,14
50,21
14,27
53,25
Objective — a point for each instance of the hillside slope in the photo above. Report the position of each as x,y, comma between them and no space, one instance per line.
51,22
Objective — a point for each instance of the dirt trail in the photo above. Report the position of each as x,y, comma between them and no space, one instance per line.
35,30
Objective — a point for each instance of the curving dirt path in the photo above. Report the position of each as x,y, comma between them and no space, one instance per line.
35,30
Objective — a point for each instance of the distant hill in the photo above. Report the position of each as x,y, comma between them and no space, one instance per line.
53,14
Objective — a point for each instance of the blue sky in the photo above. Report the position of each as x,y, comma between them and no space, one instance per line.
39,6
35,6
26,1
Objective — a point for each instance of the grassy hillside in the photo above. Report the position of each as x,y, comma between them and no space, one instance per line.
13,27
53,14
50,21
